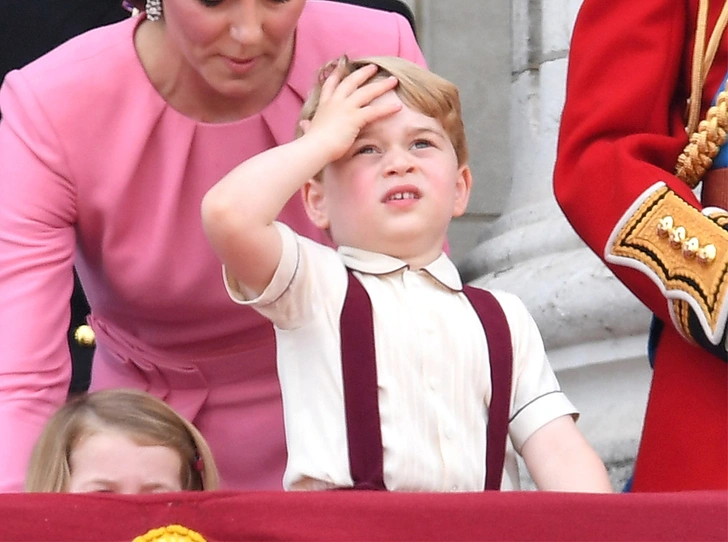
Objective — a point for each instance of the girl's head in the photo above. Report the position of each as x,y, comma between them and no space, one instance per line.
116,440
417,87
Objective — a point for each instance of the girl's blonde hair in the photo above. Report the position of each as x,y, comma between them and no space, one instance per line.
418,88
146,420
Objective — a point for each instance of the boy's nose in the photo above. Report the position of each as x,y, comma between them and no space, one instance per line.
398,162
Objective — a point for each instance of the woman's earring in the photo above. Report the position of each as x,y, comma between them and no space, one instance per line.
153,9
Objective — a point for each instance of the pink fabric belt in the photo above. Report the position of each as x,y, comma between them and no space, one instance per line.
183,382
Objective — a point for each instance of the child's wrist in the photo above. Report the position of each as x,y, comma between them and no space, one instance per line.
322,149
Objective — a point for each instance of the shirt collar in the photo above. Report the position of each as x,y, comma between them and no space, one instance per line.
443,270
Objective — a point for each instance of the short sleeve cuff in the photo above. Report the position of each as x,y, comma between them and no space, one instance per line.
281,278
538,413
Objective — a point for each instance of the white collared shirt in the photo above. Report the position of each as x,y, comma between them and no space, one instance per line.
432,369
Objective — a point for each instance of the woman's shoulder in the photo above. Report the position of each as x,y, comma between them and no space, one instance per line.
70,98
340,24
336,11
100,58
327,30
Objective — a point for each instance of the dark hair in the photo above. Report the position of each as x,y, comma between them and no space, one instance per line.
138,4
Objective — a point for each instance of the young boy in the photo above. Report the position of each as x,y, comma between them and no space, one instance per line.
382,161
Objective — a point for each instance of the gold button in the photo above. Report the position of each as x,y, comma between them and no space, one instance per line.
664,226
706,255
85,335
690,247
677,237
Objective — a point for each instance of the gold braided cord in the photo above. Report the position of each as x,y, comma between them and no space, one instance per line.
715,38
696,80
704,144
710,134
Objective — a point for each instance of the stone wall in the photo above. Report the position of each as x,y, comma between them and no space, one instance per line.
510,60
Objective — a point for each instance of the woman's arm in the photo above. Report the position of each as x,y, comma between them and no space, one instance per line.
36,276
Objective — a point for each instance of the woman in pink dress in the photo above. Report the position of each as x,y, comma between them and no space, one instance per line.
107,145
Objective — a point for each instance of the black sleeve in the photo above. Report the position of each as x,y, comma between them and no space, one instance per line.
31,28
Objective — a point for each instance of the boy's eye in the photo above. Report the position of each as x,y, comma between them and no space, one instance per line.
422,144
366,149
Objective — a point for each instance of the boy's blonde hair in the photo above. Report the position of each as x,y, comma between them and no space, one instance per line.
418,88
146,420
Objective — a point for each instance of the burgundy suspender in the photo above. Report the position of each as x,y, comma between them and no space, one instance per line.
361,397
500,355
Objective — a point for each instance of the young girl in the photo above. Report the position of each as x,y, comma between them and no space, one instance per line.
120,441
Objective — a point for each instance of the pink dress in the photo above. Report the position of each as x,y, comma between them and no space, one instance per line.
95,166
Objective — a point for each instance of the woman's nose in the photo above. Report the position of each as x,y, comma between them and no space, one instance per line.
246,25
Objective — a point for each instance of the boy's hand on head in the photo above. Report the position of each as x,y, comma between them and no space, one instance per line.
345,107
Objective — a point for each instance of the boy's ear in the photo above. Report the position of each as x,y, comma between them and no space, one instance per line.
314,201
462,190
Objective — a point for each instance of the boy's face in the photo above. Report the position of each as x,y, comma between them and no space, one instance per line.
396,189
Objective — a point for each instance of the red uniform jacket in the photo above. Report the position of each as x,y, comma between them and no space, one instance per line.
622,130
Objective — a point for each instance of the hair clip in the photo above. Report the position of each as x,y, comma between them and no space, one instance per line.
326,72
198,464
333,65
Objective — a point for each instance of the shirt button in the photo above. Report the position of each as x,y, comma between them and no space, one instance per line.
454,488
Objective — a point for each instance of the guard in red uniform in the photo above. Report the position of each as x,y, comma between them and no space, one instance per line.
642,126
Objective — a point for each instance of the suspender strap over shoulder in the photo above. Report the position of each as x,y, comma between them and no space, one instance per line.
361,397
500,354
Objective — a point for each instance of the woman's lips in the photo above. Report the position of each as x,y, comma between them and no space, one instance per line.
239,66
